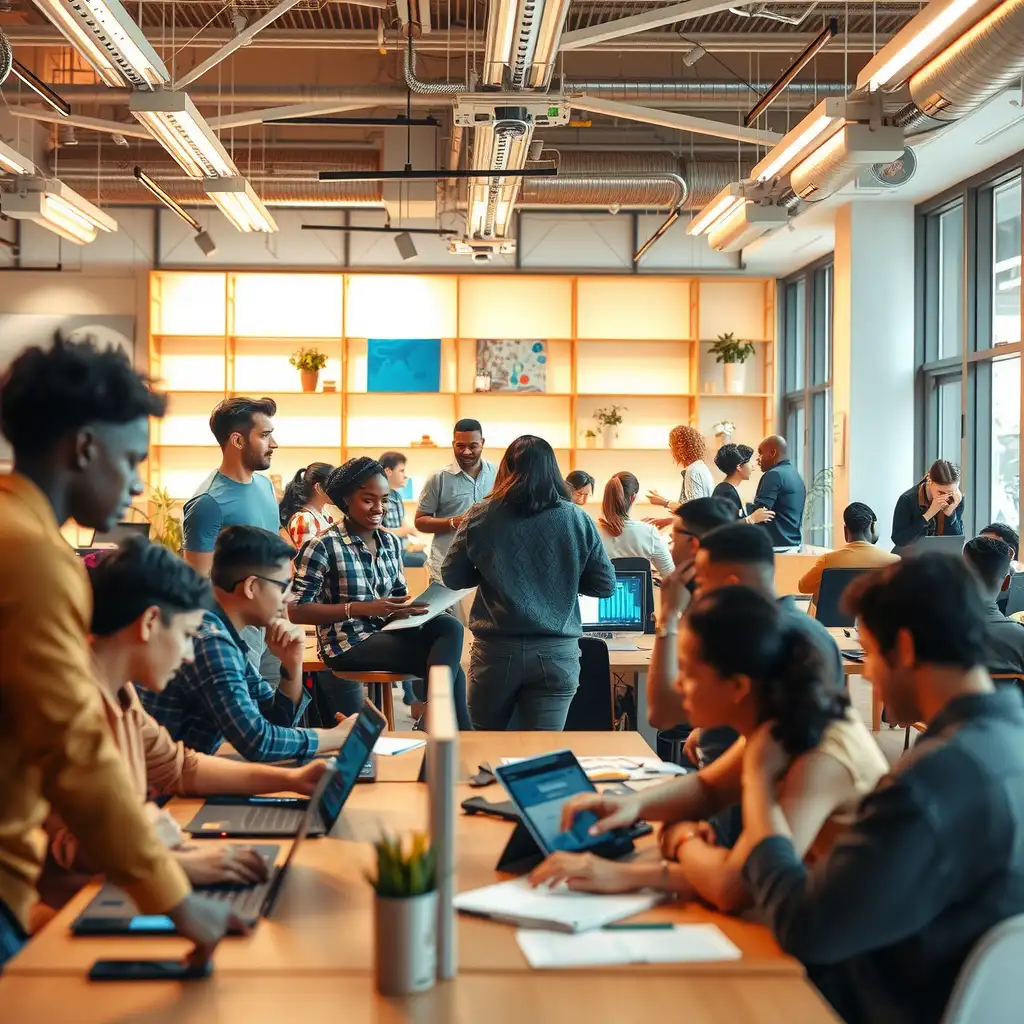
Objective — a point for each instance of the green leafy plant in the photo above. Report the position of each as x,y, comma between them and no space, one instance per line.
590,434
610,417
311,359
728,350
166,526
404,870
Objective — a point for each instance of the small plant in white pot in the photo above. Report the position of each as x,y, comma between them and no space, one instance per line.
590,438
732,354
608,421
405,915
309,362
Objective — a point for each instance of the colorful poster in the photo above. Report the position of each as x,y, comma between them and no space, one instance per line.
508,365
412,364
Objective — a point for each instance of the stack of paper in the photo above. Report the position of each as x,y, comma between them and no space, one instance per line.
683,943
617,767
388,745
518,902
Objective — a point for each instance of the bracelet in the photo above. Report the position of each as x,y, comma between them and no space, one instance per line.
348,609
451,524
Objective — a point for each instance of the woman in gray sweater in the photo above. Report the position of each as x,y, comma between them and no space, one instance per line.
530,552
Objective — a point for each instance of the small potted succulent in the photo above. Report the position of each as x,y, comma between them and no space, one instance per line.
732,354
589,438
309,362
609,420
405,915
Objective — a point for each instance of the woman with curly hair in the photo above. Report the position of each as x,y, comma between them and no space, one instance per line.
743,663
688,449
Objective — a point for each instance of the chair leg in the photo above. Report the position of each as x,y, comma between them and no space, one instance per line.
876,711
387,705
906,739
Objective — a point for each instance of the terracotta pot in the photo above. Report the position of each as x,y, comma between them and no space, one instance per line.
309,379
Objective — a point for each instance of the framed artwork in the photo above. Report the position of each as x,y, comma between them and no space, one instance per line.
412,364
511,365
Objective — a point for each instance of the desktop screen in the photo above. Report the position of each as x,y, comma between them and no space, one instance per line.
623,610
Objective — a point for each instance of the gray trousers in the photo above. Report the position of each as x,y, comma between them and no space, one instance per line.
531,678
260,657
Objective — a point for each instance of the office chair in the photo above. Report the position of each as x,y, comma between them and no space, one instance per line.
593,706
833,583
987,989
644,566
1015,594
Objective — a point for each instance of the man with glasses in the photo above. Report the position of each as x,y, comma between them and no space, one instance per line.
217,695
450,492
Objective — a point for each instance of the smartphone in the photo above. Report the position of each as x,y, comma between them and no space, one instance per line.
148,970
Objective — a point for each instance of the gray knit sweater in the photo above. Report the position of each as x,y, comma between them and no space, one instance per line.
529,569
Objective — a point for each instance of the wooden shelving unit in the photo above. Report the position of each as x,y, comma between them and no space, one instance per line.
639,342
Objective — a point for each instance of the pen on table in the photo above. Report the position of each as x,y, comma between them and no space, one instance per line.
642,926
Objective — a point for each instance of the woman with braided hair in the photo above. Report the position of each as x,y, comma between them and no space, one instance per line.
349,582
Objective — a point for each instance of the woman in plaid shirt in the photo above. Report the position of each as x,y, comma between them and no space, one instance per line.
349,582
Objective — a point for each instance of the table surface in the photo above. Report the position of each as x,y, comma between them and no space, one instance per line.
316,950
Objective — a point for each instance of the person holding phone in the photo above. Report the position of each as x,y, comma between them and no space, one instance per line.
933,507
349,582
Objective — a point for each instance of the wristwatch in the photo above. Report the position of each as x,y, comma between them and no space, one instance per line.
666,629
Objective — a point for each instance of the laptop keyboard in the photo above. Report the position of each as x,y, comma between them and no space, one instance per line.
283,819
246,903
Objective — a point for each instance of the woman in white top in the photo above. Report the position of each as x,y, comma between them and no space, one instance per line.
303,512
744,663
688,450
624,537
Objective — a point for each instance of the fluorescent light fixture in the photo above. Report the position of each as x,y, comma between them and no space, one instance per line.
501,146
148,183
105,35
239,203
747,222
40,88
842,157
174,121
721,206
545,42
935,25
523,38
54,206
12,162
825,116
501,26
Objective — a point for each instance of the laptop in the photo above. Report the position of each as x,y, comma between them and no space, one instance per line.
619,619
262,817
119,532
948,544
112,911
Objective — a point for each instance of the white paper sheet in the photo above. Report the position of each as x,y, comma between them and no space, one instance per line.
683,943
438,598
638,768
389,745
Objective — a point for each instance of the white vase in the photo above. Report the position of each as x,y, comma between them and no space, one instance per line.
734,378
405,937
609,435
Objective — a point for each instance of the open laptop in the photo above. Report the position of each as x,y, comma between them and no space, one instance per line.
618,619
119,532
112,911
261,817
947,544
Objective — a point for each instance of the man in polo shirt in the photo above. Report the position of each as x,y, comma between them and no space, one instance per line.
1004,638
941,838
782,491
449,494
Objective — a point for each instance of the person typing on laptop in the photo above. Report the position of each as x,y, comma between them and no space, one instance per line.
219,695
147,606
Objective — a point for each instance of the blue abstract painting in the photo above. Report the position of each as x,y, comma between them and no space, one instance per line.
406,364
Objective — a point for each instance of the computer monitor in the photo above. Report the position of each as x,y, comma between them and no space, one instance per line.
623,612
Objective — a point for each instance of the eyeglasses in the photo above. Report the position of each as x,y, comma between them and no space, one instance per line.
283,585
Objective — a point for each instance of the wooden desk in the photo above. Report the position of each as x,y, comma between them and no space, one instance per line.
498,998
323,918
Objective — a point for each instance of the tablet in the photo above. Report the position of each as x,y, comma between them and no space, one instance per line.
539,787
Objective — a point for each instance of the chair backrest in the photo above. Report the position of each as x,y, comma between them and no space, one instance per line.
593,707
987,990
1015,594
833,583
644,566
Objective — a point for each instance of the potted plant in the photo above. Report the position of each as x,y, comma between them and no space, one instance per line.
309,362
609,420
165,526
732,353
405,915
723,431
590,438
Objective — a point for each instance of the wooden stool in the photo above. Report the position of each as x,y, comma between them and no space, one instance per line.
381,692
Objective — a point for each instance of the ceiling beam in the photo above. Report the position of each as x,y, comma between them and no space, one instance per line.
92,123
670,119
656,18
250,117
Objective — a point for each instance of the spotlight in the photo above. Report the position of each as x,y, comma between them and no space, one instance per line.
206,244
536,149
405,245
693,55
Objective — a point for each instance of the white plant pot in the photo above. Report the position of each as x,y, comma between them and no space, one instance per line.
609,435
405,937
734,378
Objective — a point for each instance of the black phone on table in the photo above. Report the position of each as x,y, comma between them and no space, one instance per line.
149,970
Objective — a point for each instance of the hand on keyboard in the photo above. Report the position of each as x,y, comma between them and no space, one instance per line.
222,863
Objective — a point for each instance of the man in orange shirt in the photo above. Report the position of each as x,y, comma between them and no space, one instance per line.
78,420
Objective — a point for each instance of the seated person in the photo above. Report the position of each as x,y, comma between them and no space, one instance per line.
394,515
1004,639
935,855
860,528
776,674
304,505
219,696
1004,532
624,537
147,606
349,582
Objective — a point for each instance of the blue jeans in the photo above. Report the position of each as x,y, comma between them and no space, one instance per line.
12,937
414,559
533,677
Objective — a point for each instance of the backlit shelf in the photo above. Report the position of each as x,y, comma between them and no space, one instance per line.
190,337
405,394
514,394
743,394
635,394
638,341
756,341
332,339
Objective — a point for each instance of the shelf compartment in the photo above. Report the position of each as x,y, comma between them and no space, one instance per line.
636,367
357,370
298,306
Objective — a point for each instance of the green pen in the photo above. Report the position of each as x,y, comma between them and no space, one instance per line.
642,926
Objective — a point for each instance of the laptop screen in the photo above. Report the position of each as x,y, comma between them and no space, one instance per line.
120,532
350,760
623,611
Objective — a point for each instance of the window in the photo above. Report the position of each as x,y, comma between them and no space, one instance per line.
969,340
806,409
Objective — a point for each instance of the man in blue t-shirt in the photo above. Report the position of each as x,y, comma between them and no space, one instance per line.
236,494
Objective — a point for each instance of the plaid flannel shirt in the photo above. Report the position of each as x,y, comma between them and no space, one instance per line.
220,696
394,513
337,567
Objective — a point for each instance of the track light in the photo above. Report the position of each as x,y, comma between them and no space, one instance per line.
405,246
207,246
148,183
40,88
693,55
54,206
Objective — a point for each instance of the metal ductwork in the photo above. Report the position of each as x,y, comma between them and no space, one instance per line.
722,95
417,85
980,64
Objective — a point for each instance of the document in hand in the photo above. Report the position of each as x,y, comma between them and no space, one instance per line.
517,902
437,598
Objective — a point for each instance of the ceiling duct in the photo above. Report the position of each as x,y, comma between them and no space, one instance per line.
417,85
893,174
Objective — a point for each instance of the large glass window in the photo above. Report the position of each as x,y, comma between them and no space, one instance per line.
1006,263
1005,499
951,282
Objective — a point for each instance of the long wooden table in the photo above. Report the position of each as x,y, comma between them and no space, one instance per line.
316,950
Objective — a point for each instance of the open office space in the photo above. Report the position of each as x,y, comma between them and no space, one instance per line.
510,510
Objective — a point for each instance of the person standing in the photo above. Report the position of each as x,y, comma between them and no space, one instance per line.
933,507
734,461
77,418
780,490
304,505
236,494
530,552
394,515
623,537
688,450
450,492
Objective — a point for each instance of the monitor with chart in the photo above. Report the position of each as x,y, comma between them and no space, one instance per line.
623,612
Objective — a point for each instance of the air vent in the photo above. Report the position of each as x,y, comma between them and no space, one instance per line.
894,174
